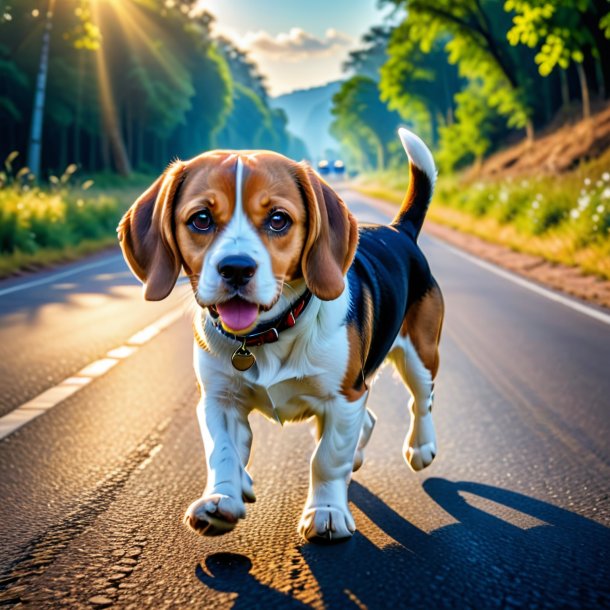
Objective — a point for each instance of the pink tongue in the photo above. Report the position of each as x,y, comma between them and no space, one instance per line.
237,314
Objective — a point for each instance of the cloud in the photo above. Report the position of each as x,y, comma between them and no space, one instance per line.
295,45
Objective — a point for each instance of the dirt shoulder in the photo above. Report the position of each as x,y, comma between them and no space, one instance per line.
566,279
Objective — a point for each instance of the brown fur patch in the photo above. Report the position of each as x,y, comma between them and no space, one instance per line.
423,324
353,385
269,185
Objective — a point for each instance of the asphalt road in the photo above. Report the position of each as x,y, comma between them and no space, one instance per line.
513,513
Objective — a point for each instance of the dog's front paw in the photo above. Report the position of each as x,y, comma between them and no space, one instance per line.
326,524
214,515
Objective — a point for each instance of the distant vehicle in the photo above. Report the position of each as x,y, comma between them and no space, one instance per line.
339,167
324,167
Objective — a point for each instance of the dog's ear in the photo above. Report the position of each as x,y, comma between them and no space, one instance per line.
147,237
331,239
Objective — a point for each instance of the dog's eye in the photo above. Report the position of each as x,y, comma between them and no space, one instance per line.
278,221
201,221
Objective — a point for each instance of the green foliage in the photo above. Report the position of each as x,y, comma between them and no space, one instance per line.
363,123
535,206
130,83
557,30
563,218
416,82
33,218
469,137
604,25
472,35
250,124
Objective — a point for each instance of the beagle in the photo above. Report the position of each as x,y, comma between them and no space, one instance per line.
298,309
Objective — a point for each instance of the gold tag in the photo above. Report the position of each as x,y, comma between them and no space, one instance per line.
242,358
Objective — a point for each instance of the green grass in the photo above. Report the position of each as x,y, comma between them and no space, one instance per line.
42,226
564,219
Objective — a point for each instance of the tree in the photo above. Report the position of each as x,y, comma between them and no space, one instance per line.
470,136
363,122
475,32
35,145
559,32
414,81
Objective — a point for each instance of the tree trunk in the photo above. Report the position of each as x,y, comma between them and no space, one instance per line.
591,20
584,87
76,142
529,131
35,145
599,74
115,140
140,145
565,90
92,153
379,152
129,130
105,149
63,150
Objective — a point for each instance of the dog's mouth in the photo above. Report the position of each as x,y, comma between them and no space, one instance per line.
236,315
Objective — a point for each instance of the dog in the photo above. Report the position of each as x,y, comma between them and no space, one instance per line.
298,309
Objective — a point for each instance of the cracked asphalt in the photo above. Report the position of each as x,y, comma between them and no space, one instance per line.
513,513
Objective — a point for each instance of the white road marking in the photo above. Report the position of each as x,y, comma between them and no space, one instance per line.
596,314
53,396
56,276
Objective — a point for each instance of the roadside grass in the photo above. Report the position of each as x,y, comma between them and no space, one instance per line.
564,219
46,225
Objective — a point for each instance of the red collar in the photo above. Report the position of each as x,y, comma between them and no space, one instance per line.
268,332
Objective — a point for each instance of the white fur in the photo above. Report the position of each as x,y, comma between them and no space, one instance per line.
420,443
419,154
294,379
238,237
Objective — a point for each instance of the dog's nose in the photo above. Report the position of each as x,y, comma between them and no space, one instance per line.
237,270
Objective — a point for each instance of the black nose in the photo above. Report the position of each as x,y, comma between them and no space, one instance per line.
237,270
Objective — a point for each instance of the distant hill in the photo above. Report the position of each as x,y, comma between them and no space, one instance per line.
309,118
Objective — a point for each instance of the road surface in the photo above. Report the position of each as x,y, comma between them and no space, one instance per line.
514,512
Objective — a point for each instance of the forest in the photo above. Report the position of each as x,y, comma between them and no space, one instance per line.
470,75
108,92
130,84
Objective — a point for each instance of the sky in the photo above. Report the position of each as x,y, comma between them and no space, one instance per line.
297,44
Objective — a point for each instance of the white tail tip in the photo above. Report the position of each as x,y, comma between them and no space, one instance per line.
419,154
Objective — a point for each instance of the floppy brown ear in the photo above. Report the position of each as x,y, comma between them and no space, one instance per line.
331,240
147,237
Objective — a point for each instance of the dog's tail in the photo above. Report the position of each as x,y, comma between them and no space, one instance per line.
422,176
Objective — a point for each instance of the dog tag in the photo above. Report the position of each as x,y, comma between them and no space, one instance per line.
242,358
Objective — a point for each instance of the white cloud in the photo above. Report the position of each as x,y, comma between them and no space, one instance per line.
319,58
295,45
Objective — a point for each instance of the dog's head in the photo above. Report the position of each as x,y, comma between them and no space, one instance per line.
241,224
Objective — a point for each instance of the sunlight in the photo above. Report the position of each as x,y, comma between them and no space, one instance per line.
139,28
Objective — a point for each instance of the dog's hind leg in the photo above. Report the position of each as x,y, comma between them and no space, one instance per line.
365,435
415,356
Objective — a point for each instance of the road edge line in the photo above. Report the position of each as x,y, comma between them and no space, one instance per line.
571,303
51,397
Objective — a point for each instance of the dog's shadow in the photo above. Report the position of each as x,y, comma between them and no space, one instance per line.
230,573
554,557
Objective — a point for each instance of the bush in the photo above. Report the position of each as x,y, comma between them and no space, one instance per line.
34,218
